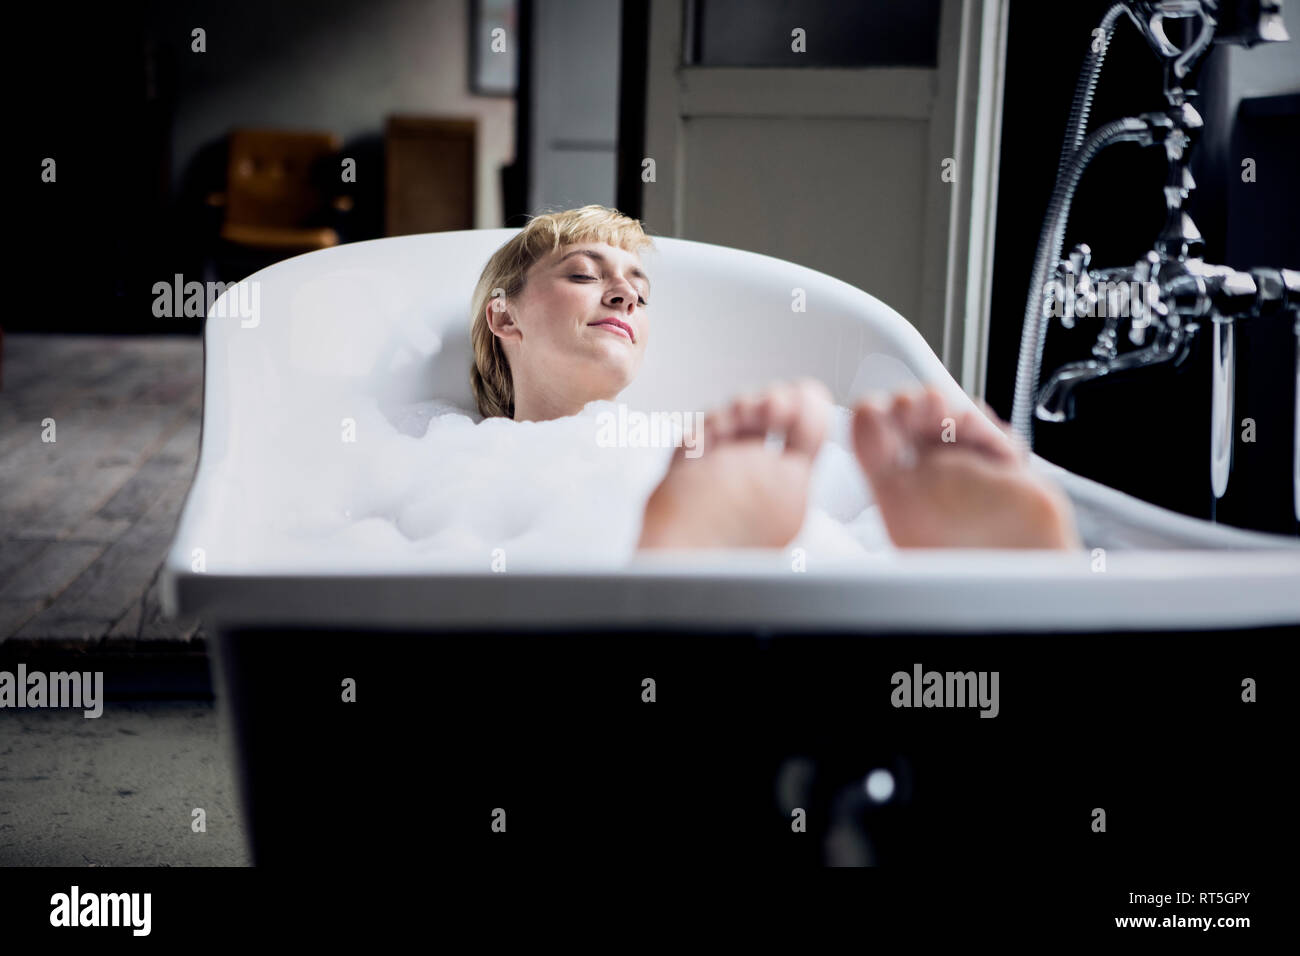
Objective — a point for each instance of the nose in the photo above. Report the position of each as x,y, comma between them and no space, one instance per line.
622,295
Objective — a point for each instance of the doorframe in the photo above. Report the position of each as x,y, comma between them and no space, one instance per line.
977,139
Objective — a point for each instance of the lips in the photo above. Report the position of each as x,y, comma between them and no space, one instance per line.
616,325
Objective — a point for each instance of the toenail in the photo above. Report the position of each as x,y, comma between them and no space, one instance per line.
872,402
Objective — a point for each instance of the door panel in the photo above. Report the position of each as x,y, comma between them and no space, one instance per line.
761,183
838,169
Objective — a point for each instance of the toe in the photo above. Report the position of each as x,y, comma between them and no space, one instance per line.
807,430
901,410
778,408
814,388
985,435
746,414
719,425
930,413
875,439
904,424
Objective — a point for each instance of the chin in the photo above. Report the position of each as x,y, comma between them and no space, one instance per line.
615,376
611,387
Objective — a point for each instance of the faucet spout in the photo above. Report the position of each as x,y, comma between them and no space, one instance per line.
1056,400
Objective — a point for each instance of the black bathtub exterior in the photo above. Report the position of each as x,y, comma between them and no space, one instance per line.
553,728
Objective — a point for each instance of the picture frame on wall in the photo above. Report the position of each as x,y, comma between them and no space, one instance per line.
493,72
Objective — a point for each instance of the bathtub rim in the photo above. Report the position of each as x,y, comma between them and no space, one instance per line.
977,591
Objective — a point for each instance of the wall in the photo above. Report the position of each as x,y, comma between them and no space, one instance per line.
1268,67
328,64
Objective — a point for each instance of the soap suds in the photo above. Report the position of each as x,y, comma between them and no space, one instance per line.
428,486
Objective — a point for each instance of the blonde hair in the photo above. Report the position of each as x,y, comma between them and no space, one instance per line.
506,270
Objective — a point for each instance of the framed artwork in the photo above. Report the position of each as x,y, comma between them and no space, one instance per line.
494,56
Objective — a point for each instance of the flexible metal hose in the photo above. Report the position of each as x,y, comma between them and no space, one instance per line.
1034,330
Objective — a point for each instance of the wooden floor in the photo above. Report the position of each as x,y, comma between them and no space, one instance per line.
86,519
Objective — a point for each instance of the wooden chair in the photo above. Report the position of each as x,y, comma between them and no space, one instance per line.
278,195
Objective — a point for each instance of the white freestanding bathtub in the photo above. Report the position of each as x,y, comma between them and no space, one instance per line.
388,318
525,691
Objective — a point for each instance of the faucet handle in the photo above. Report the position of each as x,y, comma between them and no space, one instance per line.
1147,304
1146,266
1054,300
1080,259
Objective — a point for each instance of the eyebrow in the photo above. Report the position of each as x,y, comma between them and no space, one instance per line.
599,257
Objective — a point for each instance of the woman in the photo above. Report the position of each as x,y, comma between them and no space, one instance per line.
561,318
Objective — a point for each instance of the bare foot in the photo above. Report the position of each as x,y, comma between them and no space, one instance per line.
739,493
945,479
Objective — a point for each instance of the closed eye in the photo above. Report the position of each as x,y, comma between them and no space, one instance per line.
579,275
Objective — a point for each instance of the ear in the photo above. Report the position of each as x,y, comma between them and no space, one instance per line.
499,319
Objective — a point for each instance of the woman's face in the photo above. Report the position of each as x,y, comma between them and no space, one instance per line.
578,330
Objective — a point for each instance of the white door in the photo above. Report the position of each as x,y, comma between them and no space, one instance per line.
884,177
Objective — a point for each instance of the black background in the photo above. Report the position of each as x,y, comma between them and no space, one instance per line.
1149,433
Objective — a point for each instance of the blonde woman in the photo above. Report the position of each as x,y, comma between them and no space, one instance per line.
561,317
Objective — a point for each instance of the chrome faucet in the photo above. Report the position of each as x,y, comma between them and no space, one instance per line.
1110,294
1171,293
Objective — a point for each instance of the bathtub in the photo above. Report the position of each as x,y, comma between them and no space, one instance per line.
388,319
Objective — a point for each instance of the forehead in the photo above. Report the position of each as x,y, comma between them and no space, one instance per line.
604,254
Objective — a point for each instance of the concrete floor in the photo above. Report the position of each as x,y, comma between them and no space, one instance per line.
84,524
118,790
85,519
